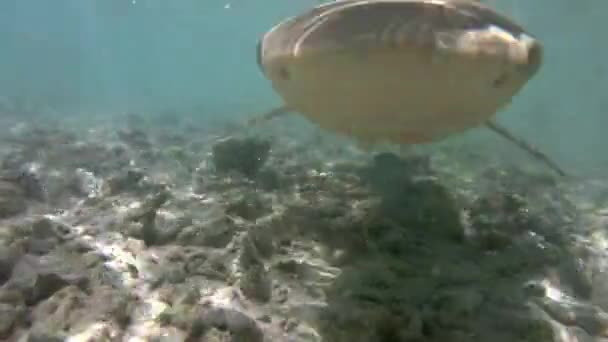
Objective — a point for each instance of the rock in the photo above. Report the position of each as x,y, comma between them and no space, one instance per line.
92,259
400,249
57,312
241,155
120,308
269,179
250,207
458,273
9,316
592,319
576,276
519,180
577,334
216,233
242,327
40,246
11,296
214,335
70,311
123,182
499,218
412,197
249,256
41,235
135,138
8,259
42,335
38,279
263,240
387,172
455,308
45,227
599,288
146,215
304,333
213,323
168,335
198,181
85,183
31,180
209,265
537,330
256,284
12,199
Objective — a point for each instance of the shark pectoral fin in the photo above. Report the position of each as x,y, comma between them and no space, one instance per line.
533,151
255,121
265,117
365,145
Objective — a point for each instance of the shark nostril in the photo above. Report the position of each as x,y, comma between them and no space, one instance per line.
259,56
284,73
500,81
535,57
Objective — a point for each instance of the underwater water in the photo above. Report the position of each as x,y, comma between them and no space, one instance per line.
131,209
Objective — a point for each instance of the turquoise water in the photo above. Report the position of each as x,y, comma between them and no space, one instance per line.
144,54
123,212
119,55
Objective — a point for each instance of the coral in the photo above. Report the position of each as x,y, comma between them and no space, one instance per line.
245,155
312,241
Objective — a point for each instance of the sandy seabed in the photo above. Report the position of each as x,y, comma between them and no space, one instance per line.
151,228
